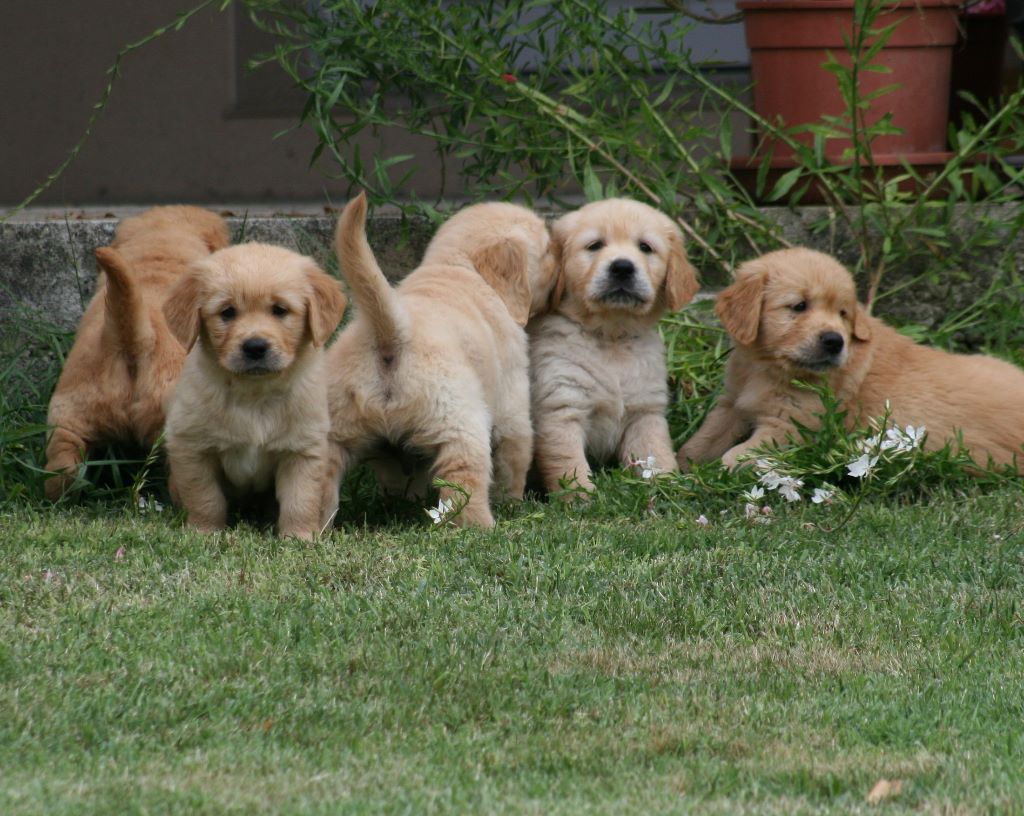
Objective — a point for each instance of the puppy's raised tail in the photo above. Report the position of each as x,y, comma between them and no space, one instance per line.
127,324
374,297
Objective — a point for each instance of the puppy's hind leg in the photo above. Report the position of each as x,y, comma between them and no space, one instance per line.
513,452
64,453
464,459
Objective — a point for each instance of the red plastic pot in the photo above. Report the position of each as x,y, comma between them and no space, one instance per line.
788,41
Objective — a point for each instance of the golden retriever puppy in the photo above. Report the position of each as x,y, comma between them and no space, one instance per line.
438,365
793,315
598,378
249,413
126,357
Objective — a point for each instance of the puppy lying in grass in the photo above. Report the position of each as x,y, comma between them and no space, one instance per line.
126,356
793,315
438,366
249,413
598,376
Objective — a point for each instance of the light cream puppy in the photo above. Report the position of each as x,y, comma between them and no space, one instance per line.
249,413
793,315
598,377
126,358
438,365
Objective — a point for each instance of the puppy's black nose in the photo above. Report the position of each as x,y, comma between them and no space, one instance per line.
831,342
255,348
621,268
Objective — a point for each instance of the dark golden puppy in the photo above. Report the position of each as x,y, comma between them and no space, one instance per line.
793,315
597,363
250,410
126,358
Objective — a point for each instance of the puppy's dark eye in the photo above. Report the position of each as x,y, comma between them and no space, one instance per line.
595,246
277,310
799,307
645,248
842,312
228,313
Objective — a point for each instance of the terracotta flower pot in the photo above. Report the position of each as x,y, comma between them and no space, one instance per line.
788,41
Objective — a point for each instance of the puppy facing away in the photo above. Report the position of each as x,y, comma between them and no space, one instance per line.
249,413
126,356
793,314
598,377
438,365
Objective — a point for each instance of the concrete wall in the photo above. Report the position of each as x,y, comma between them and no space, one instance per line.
182,125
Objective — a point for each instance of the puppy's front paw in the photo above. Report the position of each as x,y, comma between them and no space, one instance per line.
306,534
736,458
203,526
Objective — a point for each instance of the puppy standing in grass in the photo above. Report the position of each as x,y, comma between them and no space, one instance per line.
249,413
438,366
598,377
126,357
793,315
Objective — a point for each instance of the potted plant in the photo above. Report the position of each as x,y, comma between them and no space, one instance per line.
868,80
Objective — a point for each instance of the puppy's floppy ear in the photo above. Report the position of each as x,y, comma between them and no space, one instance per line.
739,307
680,276
505,267
181,309
326,304
861,323
215,232
553,262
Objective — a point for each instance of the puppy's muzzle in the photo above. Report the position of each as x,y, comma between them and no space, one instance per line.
621,270
831,343
827,352
256,356
621,286
255,348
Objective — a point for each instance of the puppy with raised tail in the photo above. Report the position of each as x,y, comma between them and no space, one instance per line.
793,315
437,367
249,413
598,376
126,357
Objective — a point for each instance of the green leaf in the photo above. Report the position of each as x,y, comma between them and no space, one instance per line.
591,184
785,183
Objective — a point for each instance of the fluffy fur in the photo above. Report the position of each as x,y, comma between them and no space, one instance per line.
126,357
437,367
249,413
598,377
793,314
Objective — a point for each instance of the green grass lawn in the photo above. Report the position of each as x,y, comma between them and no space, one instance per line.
571,661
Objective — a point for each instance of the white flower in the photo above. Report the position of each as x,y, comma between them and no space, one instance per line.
861,466
751,510
870,444
789,488
702,520
144,503
771,479
649,467
754,494
444,507
915,435
822,495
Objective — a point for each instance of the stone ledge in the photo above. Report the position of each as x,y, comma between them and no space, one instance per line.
47,266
